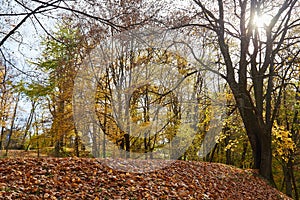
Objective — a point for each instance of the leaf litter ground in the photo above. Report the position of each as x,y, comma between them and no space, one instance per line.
88,178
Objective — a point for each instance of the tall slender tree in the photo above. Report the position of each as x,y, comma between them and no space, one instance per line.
61,59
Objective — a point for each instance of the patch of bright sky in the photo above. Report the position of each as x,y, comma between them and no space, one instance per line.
23,46
262,20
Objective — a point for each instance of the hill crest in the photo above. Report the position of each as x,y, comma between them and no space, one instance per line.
88,178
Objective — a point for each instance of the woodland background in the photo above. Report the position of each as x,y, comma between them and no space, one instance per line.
256,72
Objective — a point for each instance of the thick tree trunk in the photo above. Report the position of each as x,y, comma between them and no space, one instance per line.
265,168
260,140
258,133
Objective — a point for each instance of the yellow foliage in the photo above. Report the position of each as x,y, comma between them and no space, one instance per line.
233,144
283,143
1,75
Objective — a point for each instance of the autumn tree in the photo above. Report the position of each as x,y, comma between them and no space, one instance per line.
125,97
128,14
9,100
61,59
249,51
5,102
286,132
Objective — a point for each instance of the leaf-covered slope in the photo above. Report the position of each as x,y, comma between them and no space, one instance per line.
84,178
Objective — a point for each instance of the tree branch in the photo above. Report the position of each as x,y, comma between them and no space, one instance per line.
23,21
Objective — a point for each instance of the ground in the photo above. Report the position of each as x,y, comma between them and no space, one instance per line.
89,178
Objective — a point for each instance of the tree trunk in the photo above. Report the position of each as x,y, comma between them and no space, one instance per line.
58,146
228,151
213,152
127,145
294,183
265,167
105,129
258,133
59,128
288,179
243,158
260,140
28,124
12,124
36,133
104,146
76,145
145,145
95,142
127,129
1,138
228,157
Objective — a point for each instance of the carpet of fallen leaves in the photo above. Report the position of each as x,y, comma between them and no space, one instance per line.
88,178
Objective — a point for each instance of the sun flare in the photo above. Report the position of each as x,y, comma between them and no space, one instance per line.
262,21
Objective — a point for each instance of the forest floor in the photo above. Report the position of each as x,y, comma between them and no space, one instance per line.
25,177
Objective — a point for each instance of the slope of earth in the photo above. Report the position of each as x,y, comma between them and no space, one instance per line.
87,178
